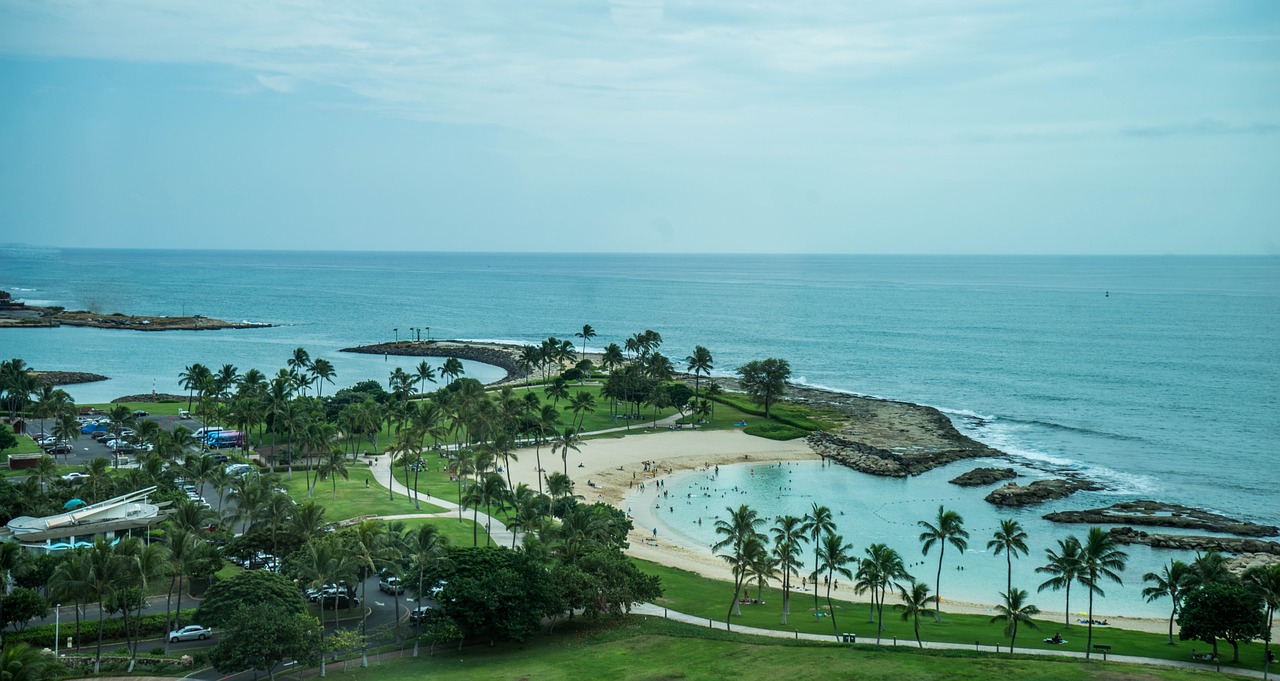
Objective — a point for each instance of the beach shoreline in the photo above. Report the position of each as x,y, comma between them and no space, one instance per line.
596,469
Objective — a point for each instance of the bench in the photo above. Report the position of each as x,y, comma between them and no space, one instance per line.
1206,657
848,638
1102,649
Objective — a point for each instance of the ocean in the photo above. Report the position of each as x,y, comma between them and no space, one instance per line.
1156,376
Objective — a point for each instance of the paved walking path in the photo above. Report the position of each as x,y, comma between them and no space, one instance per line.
659,611
382,472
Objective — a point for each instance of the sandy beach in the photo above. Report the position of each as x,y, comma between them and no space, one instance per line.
609,470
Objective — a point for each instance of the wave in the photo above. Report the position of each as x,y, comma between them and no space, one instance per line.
19,288
1075,429
805,383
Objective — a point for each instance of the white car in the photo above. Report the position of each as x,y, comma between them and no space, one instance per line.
75,477
191,632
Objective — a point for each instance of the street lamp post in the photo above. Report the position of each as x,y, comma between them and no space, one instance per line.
417,332
428,334
397,334
57,622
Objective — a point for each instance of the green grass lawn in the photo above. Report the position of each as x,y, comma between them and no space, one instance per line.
353,498
458,533
63,469
702,597
650,648
25,446
153,408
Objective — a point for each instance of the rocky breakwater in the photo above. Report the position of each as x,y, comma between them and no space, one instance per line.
500,355
1194,542
884,437
1039,491
67,377
1158,514
983,476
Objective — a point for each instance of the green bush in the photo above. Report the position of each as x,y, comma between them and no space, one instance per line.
775,431
789,414
112,629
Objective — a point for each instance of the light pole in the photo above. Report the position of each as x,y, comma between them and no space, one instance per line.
397,334
57,622
417,332
428,334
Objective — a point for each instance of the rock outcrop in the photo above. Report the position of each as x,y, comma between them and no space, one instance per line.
1157,514
984,476
1039,491
495,354
67,377
1194,542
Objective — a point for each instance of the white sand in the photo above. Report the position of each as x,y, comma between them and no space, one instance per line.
613,466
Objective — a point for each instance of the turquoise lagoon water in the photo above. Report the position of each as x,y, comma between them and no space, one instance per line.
1156,376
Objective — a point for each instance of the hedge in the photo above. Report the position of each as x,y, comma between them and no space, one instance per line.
112,629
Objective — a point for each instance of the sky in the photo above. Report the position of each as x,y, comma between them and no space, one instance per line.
914,126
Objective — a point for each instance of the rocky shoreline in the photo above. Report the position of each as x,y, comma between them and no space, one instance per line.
983,476
1193,542
18,316
1039,491
494,354
68,377
1157,514
150,397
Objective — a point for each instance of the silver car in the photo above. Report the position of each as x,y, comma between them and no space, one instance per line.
191,632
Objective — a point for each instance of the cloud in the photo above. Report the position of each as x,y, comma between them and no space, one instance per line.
1201,128
277,83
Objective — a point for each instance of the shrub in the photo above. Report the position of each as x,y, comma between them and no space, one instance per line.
775,431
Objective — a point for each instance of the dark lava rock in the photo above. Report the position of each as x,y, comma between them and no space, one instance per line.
1157,514
1191,542
1039,491
984,476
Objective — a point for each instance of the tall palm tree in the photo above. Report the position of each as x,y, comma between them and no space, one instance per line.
323,372
834,556
1015,611
370,551
45,471
424,373
328,561
1265,582
66,429
12,556
107,575
452,368
788,533
23,662
612,358
191,378
881,569
567,440
738,530
1209,568
1064,565
1170,581
333,465
424,548
299,362
915,600
816,523
1100,558
143,562
70,582
700,362
586,334
1010,540
948,528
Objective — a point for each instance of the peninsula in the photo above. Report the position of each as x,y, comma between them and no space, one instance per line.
16,314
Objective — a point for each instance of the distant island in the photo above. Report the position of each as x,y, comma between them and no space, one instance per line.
16,314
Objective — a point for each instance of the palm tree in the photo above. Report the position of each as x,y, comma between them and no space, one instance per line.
1014,611
299,362
817,522
1099,558
1209,568
1265,582
12,555
424,373
191,378
371,550
568,440
949,529
1170,582
581,404
738,531
1011,541
834,556
700,362
881,569
23,662
788,533
66,429
557,390
425,547
106,576
612,358
915,601
46,470
70,582
327,561
323,372
144,563
1064,565
586,334
332,466
452,368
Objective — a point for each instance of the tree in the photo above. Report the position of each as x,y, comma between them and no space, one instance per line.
1099,559
947,528
877,572
1011,541
586,334
1222,611
495,593
1265,582
788,533
7,440
700,362
1064,565
12,555
915,600
1015,611
251,587
1170,581
834,557
424,549
765,380
817,522
739,532
21,662
21,606
323,372
258,637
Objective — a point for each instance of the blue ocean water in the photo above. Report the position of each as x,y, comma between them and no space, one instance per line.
1157,376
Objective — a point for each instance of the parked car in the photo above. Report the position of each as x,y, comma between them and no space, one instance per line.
239,468
191,632
58,448
438,589
418,614
75,477
99,435
391,585
140,413
339,601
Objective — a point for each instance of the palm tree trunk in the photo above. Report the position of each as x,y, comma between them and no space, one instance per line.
1088,646
831,610
937,586
97,660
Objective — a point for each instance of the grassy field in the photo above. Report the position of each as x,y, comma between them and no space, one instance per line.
695,595
458,533
153,408
354,499
650,648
